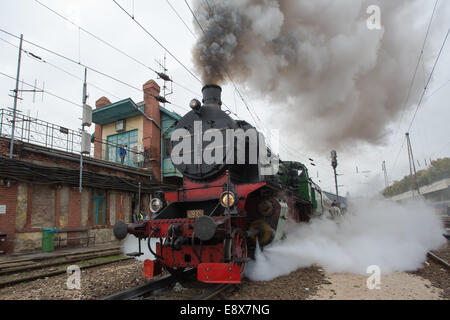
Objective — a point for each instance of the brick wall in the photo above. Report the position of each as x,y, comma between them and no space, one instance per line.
8,197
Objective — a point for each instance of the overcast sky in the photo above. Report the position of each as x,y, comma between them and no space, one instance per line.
430,132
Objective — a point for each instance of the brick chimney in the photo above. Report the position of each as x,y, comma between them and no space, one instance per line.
151,132
100,103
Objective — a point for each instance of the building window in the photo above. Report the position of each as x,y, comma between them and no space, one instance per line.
98,208
130,140
167,147
120,125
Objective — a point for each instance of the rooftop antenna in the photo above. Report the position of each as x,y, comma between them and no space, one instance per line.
163,75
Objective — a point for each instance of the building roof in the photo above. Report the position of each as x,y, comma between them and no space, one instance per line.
123,109
171,114
333,197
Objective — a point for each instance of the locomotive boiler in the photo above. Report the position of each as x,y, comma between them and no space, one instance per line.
235,195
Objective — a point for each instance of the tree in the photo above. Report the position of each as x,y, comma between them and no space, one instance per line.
439,169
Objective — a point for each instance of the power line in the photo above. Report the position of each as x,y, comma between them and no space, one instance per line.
182,20
418,62
226,71
414,78
111,45
195,17
157,41
429,79
73,61
96,37
83,65
39,59
423,95
45,91
248,106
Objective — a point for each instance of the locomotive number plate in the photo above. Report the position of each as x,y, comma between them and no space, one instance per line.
194,214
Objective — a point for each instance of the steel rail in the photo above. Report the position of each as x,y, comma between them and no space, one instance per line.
213,292
439,260
141,291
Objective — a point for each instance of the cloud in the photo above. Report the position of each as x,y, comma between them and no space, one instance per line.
316,62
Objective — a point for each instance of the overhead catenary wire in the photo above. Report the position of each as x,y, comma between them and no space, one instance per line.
157,41
423,95
82,64
182,20
39,59
414,78
95,36
254,115
429,79
111,45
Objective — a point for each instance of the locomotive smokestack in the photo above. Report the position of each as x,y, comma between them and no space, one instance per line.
212,95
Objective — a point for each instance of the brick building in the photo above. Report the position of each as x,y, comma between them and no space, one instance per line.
39,186
144,128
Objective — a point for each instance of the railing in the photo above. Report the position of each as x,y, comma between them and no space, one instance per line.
53,136
43,133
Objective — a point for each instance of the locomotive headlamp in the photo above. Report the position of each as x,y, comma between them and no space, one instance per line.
227,199
155,205
195,104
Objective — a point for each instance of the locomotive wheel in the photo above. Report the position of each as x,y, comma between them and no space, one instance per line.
239,251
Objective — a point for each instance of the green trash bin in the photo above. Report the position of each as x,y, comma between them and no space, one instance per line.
48,240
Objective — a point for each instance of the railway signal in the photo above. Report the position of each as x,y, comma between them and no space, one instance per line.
334,164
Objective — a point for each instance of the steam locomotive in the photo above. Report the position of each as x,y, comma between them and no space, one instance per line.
225,207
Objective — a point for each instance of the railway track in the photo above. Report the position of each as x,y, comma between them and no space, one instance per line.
166,282
46,272
438,259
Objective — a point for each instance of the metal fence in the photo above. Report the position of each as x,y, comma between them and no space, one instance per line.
50,135
43,133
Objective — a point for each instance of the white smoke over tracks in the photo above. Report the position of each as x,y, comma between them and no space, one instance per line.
377,232
317,59
131,244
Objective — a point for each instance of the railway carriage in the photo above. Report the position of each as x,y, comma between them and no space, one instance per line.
225,207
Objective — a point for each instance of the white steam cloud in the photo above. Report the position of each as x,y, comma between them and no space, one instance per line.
318,60
131,244
376,232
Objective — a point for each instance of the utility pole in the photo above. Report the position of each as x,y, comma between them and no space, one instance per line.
386,181
334,164
412,165
16,96
86,120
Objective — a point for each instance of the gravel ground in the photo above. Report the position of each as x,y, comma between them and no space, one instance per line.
430,282
396,286
436,274
95,283
298,285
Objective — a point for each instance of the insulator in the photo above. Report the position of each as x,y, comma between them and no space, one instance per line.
164,76
161,99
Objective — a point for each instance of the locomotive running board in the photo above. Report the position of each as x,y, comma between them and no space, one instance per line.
219,273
